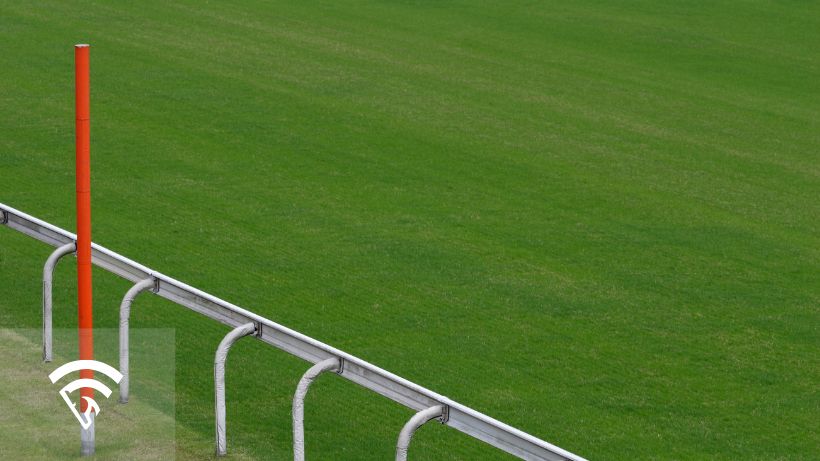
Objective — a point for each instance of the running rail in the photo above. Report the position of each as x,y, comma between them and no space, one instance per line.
396,388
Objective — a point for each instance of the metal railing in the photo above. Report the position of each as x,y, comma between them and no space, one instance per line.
396,388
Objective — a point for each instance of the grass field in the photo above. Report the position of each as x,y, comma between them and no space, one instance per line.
595,221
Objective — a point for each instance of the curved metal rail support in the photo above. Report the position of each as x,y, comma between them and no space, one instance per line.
415,422
219,381
48,274
125,314
331,364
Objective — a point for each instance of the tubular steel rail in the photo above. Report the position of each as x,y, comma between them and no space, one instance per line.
396,388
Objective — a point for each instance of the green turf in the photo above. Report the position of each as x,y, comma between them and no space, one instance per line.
595,221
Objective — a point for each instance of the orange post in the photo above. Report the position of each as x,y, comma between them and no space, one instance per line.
83,215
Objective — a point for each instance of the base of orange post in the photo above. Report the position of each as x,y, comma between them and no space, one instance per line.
87,438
